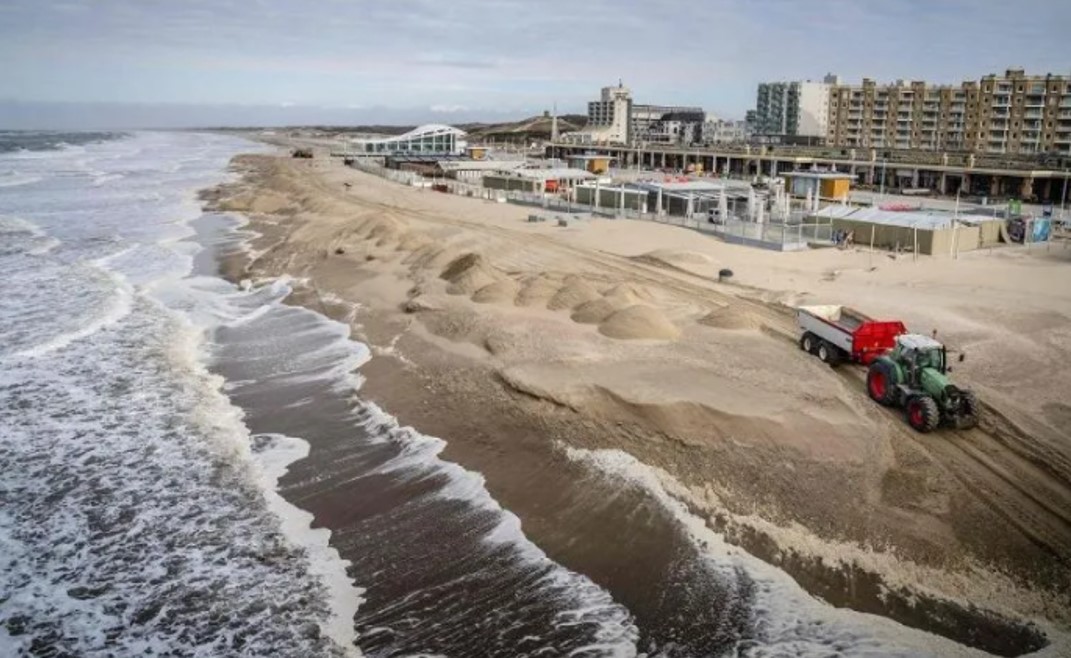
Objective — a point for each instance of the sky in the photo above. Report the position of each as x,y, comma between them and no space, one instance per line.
155,63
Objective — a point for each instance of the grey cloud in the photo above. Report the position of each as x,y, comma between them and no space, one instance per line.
16,115
456,63
485,52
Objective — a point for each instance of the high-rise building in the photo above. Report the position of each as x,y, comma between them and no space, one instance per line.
615,119
608,118
1014,113
797,109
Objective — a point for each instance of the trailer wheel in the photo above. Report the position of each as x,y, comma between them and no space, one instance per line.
828,354
881,383
807,342
923,414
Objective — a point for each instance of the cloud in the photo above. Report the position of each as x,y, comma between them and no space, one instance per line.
476,54
448,109
457,63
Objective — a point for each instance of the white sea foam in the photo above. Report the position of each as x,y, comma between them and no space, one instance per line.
274,459
114,310
219,418
128,478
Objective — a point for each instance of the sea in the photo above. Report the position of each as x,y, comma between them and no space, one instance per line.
163,430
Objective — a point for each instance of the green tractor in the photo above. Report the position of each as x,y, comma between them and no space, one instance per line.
914,376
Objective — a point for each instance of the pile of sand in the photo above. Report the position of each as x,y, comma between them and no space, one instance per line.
469,273
537,291
733,318
597,310
639,322
499,292
575,292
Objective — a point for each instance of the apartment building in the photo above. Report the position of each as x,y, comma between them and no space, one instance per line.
1014,113
798,109
665,124
721,131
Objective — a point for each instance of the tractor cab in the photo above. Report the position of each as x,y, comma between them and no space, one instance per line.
919,352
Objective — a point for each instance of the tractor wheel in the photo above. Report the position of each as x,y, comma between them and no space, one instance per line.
969,409
923,414
828,354
807,342
881,384
969,404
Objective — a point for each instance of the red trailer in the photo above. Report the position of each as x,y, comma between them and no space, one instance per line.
837,334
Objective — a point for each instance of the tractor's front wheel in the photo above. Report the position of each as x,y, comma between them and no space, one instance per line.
968,410
807,342
923,414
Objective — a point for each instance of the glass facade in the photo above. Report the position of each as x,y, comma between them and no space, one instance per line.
427,140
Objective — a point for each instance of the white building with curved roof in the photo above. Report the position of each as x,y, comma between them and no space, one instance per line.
429,139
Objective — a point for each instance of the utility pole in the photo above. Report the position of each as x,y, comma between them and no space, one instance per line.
882,194
1063,200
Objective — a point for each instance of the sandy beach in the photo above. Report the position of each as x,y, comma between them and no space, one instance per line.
616,335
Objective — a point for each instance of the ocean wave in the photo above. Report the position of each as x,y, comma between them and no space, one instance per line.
129,482
15,179
418,459
114,310
274,453
19,142
788,621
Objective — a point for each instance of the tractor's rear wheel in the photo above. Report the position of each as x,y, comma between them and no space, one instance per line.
807,342
923,414
880,383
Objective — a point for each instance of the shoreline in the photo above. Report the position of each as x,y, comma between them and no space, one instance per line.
271,457
427,355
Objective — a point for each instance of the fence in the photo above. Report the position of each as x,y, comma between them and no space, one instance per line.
789,236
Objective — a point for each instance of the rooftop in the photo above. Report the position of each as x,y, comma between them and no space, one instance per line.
481,165
551,173
823,175
680,186
923,219
918,342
